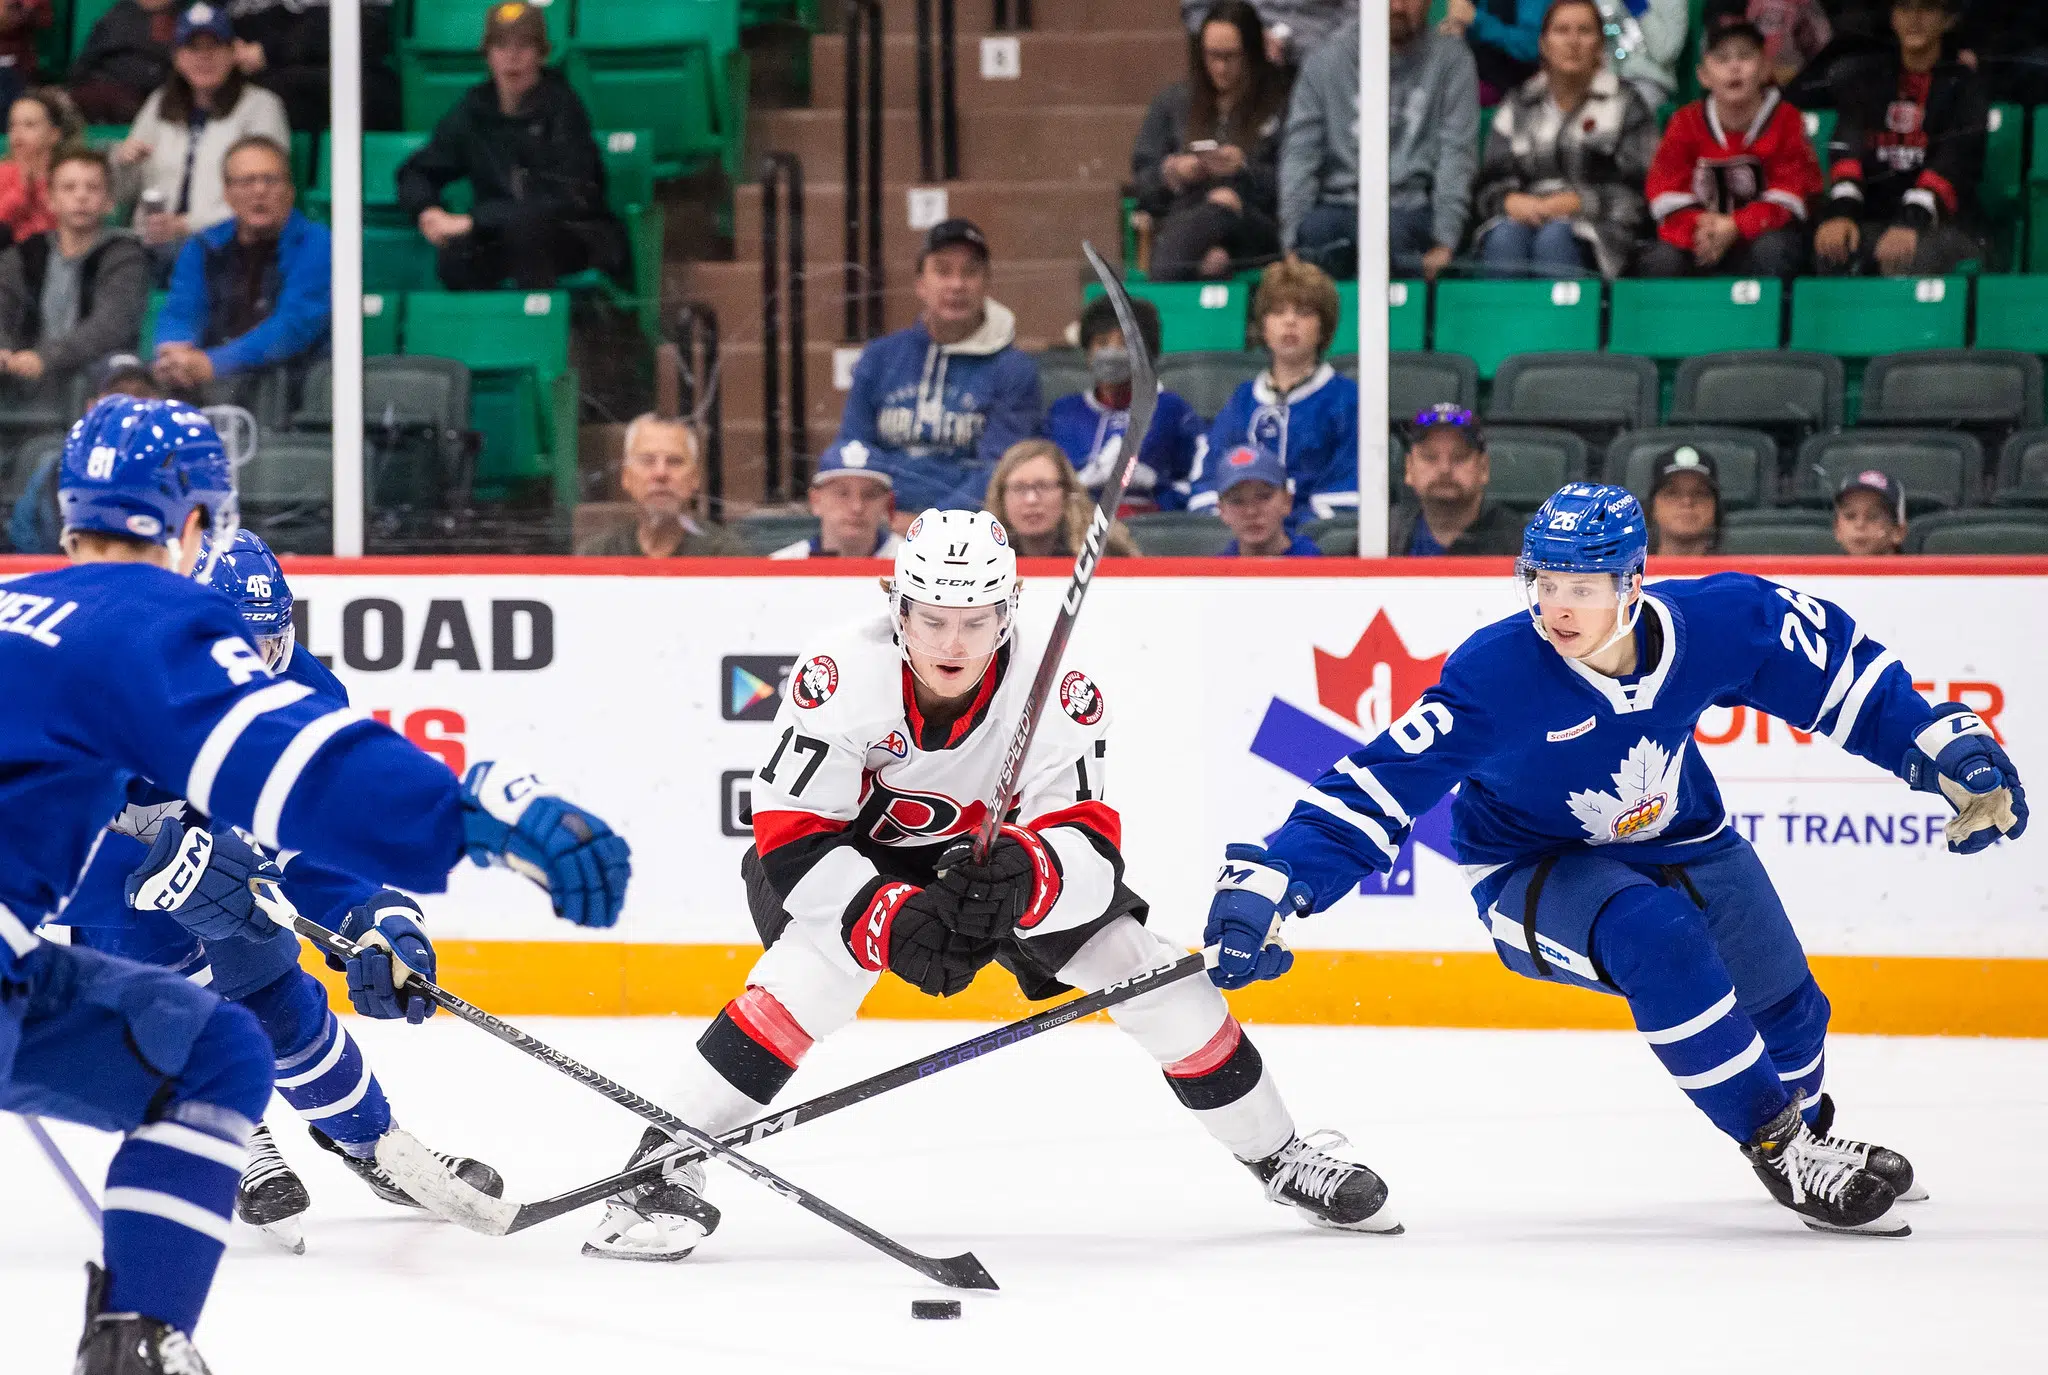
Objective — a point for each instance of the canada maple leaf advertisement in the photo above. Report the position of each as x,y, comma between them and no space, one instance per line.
1369,687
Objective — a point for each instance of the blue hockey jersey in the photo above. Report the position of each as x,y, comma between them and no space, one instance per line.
1553,757
1086,430
120,670
1314,429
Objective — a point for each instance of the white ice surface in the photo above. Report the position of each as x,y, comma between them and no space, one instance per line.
1567,1210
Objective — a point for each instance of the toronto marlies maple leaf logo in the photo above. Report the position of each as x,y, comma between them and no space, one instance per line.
1644,800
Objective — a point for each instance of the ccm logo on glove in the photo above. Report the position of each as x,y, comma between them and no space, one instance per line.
167,889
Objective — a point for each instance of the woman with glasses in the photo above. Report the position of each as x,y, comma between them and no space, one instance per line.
1041,503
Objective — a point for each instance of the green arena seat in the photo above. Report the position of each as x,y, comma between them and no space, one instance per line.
1778,532
1679,317
1488,321
1745,461
1979,532
1790,393
2012,312
1861,317
1989,392
1187,534
2002,193
2037,195
1207,316
1530,462
1337,536
381,314
1417,381
383,155
673,64
1596,395
149,314
1820,127
440,53
2023,471
1938,468
1407,317
764,534
523,395
1207,379
1062,372
629,169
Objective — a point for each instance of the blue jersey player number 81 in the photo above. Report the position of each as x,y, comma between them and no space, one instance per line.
1593,834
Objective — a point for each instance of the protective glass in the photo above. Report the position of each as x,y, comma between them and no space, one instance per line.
1547,588
954,633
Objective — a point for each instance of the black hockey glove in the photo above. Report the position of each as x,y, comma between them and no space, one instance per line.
900,928
1014,889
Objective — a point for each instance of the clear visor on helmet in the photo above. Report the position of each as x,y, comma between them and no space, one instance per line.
953,634
1578,604
277,649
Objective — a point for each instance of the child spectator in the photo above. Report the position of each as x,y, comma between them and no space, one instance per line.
1907,154
853,503
1561,185
1038,498
1089,425
1795,32
1447,469
75,295
1870,515
1254,498
1685,504
41,124
1298,407
1732,177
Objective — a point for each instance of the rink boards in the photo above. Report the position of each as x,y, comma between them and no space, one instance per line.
647,691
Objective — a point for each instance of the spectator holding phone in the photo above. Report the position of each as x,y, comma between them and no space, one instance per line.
1207,159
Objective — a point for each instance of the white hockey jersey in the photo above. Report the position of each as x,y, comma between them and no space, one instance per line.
860,790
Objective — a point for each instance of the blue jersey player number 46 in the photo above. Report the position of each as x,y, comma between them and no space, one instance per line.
1593,834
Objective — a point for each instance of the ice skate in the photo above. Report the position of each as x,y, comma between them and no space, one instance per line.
1888,1165
272,1196
1333,1193
128,1343
474,1173
659,1221
1824,1180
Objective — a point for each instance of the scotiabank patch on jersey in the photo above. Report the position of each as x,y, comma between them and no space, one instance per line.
815,682
1080,698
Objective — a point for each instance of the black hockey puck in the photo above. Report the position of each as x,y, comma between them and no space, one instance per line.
935,1308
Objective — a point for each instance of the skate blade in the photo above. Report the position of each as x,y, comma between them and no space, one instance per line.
668,1238
1916,1194
1375,1225
421,1174
287,1233
1886,1226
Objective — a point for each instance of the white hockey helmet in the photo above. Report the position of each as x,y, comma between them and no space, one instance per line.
955,559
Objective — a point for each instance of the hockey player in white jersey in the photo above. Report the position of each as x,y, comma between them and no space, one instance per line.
890,736
1593,833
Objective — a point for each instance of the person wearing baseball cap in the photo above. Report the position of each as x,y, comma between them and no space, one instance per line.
1255,499
1685,504
1870,514
936,405
853,502
522,140
1449,512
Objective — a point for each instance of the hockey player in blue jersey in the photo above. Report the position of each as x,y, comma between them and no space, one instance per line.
1593,833
321,1071
120,666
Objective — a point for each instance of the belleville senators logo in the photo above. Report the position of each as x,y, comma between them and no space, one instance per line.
815,682
1080,698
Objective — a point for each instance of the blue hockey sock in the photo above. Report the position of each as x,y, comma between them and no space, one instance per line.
171,1186
1795,1032
1655,947
320,1069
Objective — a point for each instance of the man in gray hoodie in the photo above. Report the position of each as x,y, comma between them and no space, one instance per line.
76,294
1433,137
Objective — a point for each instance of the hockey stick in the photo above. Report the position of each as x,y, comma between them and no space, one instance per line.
64,1170
1144,397
547,1209
959,1272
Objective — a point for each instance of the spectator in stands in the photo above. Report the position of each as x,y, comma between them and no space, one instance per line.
1685,504
75,294
19,22
1733,176
854,504
252,294
1255,499
35,525
1907,154
1447,470
1561,185
171,161
1295,29
40,124
1207,159
1299,406
2007,42
1795,32
1089,425
1504,36
662,475
281,45
126,56
1433,139
938,403
1039,499
522,140
1870,515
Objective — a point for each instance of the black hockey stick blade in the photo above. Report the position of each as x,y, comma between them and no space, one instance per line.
1144,400
974,1048
958,1272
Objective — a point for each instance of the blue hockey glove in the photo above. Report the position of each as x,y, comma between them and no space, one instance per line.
512,819
1254,895
390,949
202,880
1957,757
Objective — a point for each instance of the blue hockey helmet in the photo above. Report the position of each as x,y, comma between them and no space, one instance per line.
1587,528
249,575
139,468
